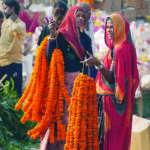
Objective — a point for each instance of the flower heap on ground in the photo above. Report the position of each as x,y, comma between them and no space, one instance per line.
44,95
82,132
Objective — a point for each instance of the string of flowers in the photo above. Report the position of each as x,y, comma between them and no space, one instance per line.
82,132
30,90
45,106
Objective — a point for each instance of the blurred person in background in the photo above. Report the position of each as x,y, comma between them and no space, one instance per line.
11,41
31,23
89,29
23,15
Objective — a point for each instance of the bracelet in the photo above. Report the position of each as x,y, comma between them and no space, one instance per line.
100,67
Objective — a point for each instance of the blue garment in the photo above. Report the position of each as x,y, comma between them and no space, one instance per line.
45,32
14,71
71,60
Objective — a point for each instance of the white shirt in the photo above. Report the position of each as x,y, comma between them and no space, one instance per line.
90,33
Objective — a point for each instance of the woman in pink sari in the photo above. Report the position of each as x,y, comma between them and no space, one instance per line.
117,81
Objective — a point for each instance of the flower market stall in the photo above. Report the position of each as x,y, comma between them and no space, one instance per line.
42,101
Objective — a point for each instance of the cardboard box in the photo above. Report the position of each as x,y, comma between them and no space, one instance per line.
129,13
131,3
140,139
108,5
140,3
136,3
148,7
141,11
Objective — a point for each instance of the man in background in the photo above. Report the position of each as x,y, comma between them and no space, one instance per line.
88,26
11,41
89,30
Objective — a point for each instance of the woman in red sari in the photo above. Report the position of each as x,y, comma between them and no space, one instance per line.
117,81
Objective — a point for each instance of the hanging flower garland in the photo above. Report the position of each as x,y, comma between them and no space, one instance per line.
82,132
40,63
45,105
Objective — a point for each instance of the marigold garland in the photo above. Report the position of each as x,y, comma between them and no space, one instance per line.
82,132
44,95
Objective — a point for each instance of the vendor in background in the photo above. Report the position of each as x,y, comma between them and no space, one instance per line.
31,23
117,81
23,15
11,41
1,20
59,12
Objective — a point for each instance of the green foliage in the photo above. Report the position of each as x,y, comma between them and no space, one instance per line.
13,134
145,107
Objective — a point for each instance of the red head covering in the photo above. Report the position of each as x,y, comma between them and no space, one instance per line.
70,31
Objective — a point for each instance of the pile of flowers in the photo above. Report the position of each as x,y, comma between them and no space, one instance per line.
98,19
82,132
44,95
141,39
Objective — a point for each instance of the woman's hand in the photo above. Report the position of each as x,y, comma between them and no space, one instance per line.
107,74
52,28
91,61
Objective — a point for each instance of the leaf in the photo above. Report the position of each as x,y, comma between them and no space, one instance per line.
12,84
6,89
4,105
13,134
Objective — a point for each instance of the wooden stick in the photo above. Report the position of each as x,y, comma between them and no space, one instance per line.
3,78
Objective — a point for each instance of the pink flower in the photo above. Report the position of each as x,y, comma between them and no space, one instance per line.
148,40
93,18
103,19
96,29
103,27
